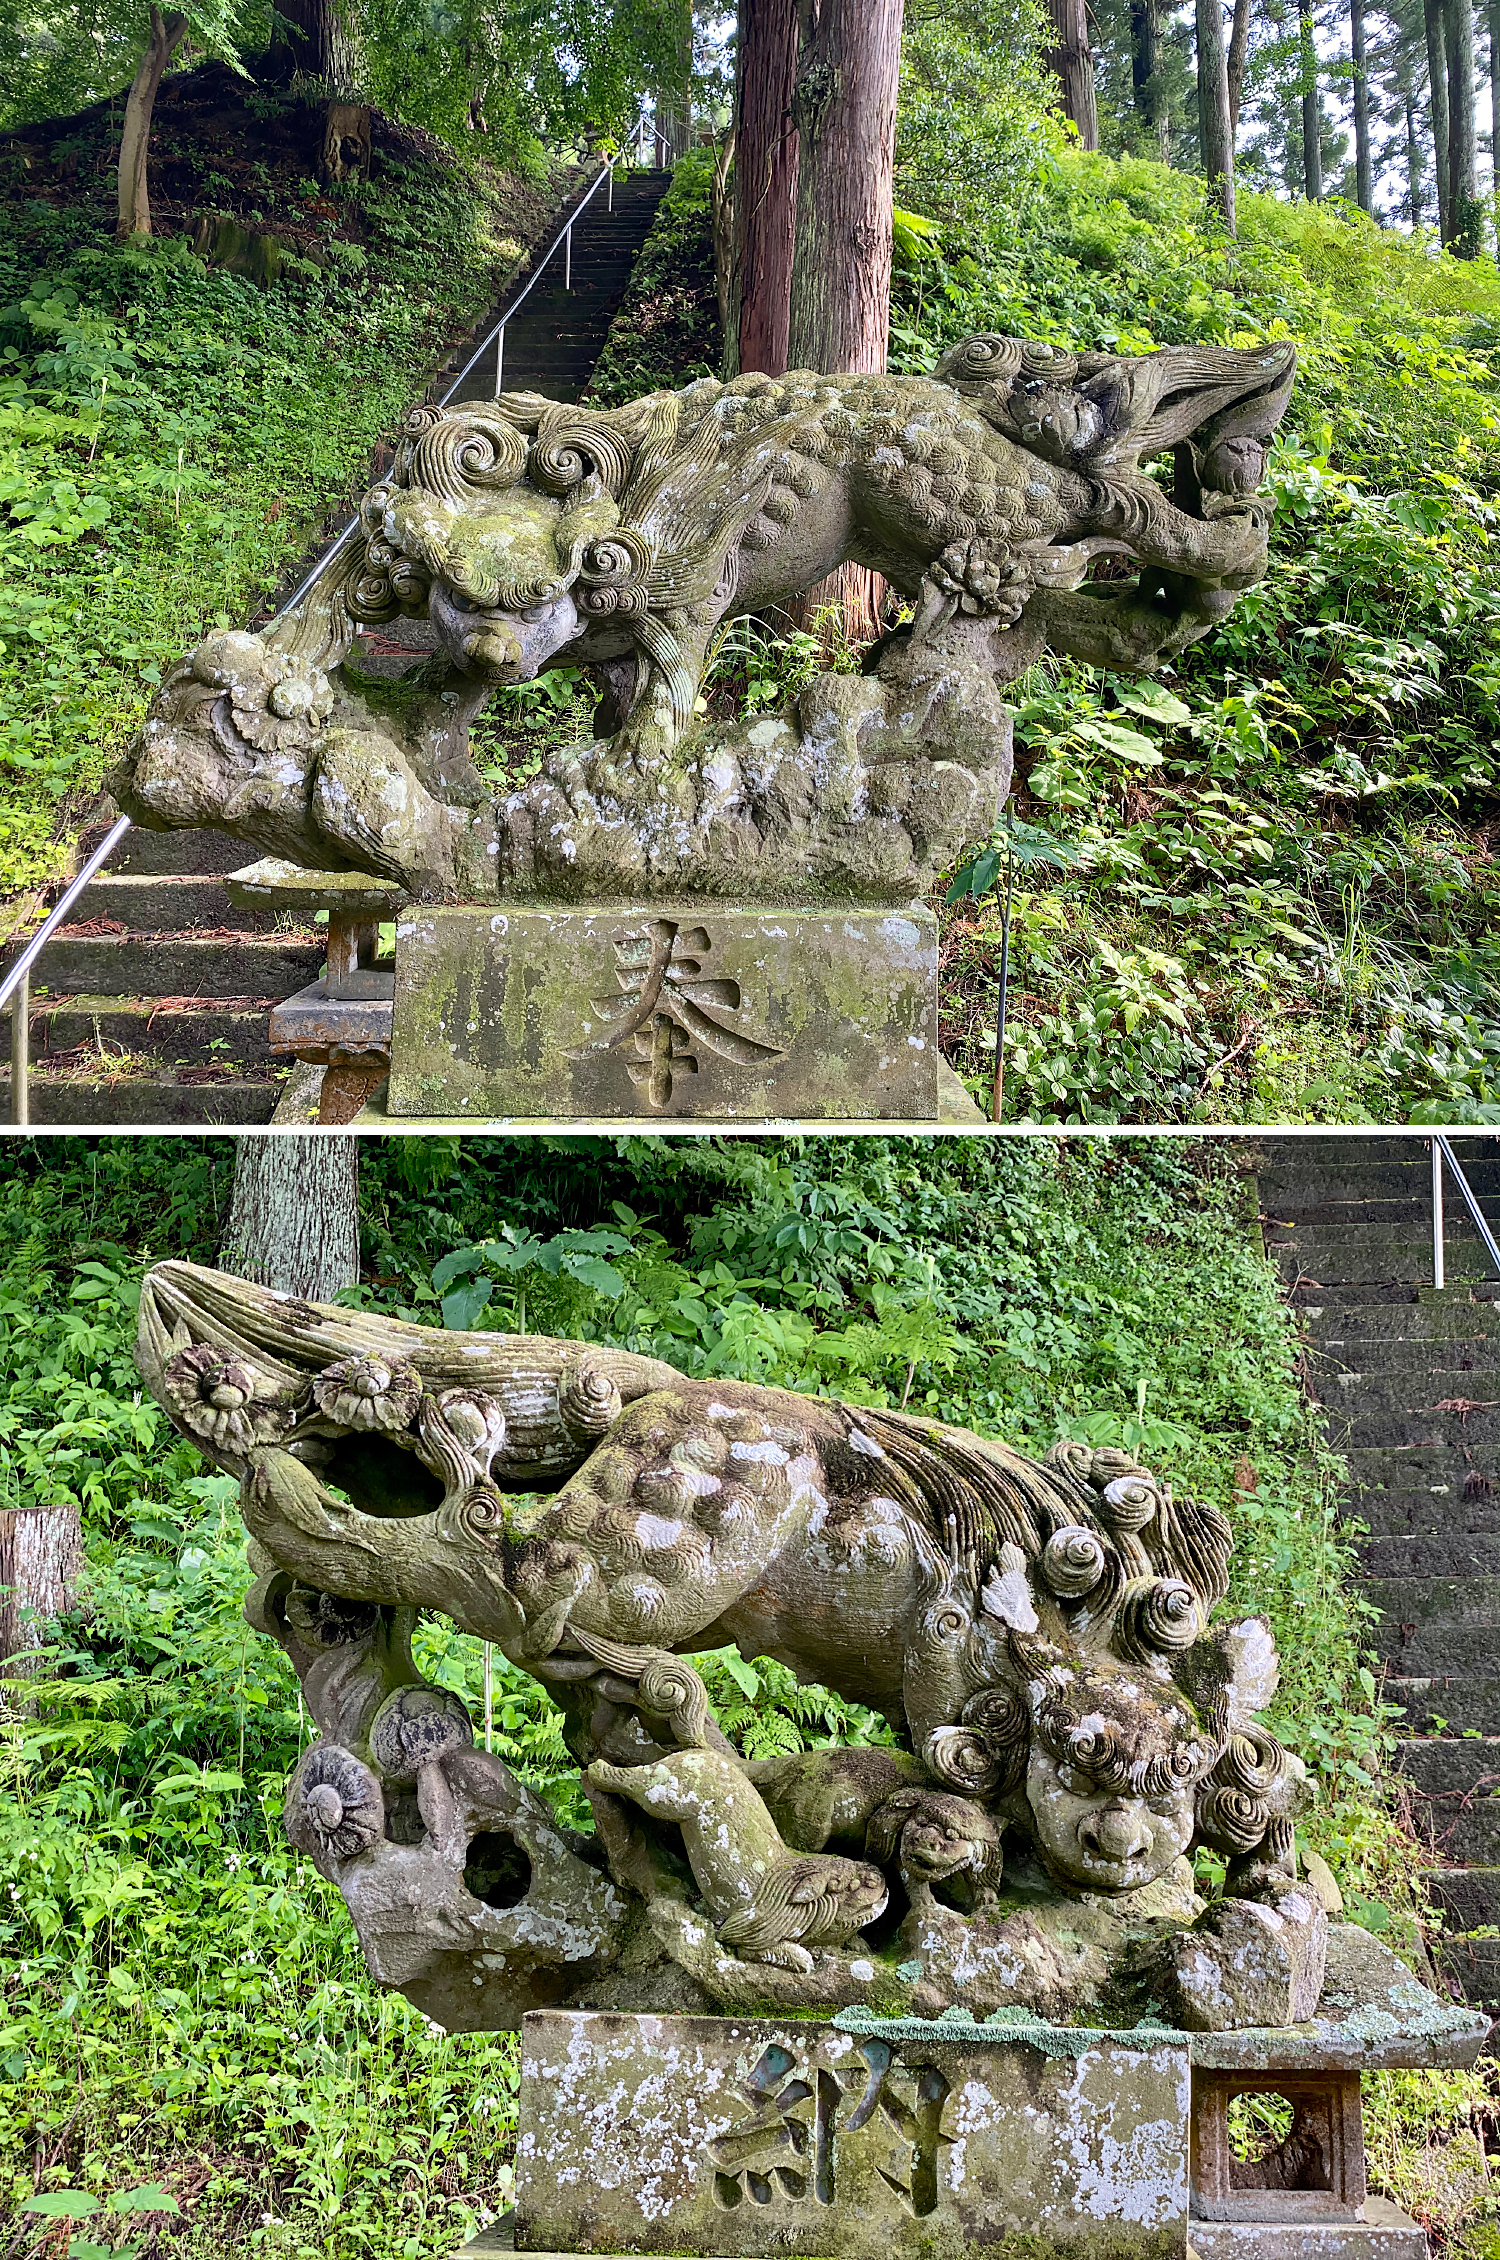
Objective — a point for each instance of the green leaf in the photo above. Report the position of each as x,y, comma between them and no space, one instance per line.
463,1306
1126,745
64,2204
1156,704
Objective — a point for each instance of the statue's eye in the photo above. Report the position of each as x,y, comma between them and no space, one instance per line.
536,613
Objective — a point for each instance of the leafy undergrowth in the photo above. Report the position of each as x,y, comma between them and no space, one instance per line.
173,435
180,1997
1287,903
666,330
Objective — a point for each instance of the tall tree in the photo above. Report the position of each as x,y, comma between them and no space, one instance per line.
1239,49
844,103
1464,211
294,1214
133,209
1364,184
1145,73
1312,108
1495,113
313,38
1437,103
765,183
41,1553
1071,58
1215,132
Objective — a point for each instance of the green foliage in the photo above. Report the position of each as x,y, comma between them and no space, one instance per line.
180,1995
170,437
1286,905
666,331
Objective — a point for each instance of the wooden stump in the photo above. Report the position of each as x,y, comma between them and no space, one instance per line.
41,1553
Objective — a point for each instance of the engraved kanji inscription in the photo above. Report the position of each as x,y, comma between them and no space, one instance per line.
801,2118
664,1011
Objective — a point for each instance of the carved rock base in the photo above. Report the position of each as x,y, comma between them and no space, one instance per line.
661,1013
750,2137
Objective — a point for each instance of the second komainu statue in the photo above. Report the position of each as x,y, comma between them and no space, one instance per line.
1007,497
1069,1724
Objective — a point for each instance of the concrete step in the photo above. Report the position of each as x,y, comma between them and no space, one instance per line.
1432,1602
1372,1263
143,1103
1460,1553
1464,1705
1394,1356
1469,1897
1410,1212
1419,1384
150,904
1460,1827
1479,1430
1454,1766
174,854
1415,1651
134,1027
1345,1326
1393,1180
1472,1969
233,963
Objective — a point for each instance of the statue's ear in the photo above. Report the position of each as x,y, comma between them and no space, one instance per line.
1007,1592
1238,1660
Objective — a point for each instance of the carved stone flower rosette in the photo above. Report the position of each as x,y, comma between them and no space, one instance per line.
223,1402
369,1392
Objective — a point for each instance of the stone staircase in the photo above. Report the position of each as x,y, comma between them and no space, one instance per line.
150,1006
1410,1379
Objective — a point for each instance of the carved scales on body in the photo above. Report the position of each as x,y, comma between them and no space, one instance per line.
1068,1725
535,534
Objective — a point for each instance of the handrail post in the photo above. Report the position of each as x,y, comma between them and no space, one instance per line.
1477,1216
499,358
610,199
568,258
20,1053
1437,1212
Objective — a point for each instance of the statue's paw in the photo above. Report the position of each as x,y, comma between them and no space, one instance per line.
787,1955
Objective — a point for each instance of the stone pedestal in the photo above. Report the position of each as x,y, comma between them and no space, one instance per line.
666,1014
752,2137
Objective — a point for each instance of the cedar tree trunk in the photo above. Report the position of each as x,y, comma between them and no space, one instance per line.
1437,91
1239,48
1145,71
134,209
41,1554
765,185
844,103
1463,169
1364,186
294,1217
1215,134
1312,118
1072,60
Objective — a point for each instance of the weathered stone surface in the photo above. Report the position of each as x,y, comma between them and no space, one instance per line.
1385,2233
726,1013
956,1110
712,2135
1070,1724
275,884
620,540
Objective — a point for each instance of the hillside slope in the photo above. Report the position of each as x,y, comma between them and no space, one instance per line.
176,428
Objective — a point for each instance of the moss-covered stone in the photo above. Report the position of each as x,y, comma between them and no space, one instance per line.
666,1013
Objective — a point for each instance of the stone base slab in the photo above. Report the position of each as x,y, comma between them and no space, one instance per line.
649,1015
1385,2233
757,2139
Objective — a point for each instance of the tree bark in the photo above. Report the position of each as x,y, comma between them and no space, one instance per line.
1072,61
1437,103
1464,222
313,38
765,183
1145,71
1364,185
1312,117
294,1215
133,215
1215,133
1239,48
41,1553
1413,155
1495,113
844,103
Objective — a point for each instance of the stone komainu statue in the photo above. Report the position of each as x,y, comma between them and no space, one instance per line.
534,534
1068,1725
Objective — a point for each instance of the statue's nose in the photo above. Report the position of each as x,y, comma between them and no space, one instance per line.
1118,1831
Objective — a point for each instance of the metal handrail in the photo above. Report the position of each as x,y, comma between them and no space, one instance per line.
1443,1152
15,987
494,336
